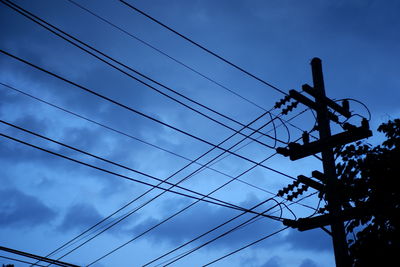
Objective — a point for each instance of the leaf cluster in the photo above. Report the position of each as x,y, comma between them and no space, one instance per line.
369,179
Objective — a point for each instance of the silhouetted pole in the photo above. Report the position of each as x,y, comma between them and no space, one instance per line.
328,161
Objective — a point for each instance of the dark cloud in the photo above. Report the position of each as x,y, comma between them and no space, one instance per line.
79,216
202,218
273,262
313,240
308,263
18,209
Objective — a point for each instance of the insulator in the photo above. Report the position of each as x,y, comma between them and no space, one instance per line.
285,111
364,123
346,105
285,190
348,127
293,105
290,197
290,187
280,193
304,187
306,137
283,151
278,104
296,194
282,101
296,183
286,98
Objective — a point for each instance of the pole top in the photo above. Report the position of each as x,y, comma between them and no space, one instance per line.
316,60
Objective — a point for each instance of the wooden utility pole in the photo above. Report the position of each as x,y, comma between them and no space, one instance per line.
328,162
327,182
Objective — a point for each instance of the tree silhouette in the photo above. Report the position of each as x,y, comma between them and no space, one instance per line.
370,182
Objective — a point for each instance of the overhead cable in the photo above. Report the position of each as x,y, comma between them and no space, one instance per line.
141,113
203,48
160,194
165,54
109,161
35,19
134,137
119,175
246,246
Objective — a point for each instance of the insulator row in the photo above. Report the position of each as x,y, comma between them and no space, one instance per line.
306,137
290,107
297,193
288,189
282,101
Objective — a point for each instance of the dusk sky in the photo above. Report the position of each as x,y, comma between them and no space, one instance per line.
48,200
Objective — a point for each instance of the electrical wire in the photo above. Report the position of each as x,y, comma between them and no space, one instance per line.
117,174
361,103
133,137
129,241
37,257
203,48
21,261
222,224
141,113
163,221
128,214
205,233
35,19
165,54
246,223
246,246
152,199
177,61
106,160
215,238
117,165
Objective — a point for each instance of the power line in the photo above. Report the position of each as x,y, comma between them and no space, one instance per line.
221,225
246,246
22,261
216,238
119,175
152,199
34,18
158,224
33,256
165,54
175,60
141,113
108,161
168,218
195,171
205,233
175,214
136,138
202,47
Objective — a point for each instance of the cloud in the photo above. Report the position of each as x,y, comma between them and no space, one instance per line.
204,217
79,216
18,209
273,262
314,240
308,263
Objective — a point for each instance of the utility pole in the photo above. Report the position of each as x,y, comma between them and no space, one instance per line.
328,162
327,183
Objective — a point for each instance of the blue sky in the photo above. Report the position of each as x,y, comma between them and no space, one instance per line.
49,200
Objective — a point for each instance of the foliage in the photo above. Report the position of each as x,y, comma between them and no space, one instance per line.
370,181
